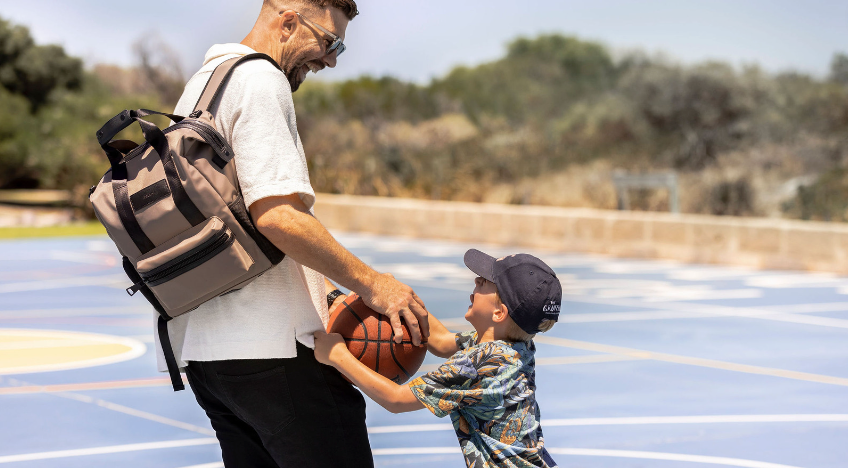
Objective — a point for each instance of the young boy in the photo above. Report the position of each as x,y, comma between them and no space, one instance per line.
488,385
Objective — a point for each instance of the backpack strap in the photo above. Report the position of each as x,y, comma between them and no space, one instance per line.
220,77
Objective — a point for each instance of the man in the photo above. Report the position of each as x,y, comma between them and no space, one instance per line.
248,355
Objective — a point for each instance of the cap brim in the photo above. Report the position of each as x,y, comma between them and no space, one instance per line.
480,263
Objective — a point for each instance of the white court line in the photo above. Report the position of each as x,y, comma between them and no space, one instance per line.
392,451
107,449
600,453
717,310
692,361
137,413
629,316
646,420
207,465
778,313
808,308
73,312
667,456
717,419
39,344
70,282
90,258
459,325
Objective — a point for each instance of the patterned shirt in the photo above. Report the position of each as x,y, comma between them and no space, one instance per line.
488,389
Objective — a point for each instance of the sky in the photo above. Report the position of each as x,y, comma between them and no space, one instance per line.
419,40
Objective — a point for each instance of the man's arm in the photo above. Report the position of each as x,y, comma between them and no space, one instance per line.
331,349
286,222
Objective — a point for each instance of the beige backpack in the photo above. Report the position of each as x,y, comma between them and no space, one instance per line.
174,209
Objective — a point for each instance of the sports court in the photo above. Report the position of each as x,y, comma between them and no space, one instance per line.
653,364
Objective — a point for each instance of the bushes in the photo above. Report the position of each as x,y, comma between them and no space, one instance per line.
49,111
556,113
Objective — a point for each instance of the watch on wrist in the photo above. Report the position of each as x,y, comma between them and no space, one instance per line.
332,296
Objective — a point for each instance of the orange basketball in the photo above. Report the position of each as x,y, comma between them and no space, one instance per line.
368,335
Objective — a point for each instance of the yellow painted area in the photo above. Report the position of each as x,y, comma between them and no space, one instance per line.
10,339
57,355
25,351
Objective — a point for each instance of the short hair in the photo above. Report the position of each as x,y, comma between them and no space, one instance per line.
516,333
348,7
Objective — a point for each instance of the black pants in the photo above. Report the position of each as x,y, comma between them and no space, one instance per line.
281,413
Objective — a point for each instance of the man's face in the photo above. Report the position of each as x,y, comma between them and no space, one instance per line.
306,49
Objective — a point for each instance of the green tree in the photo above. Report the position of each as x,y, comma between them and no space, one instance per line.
34,71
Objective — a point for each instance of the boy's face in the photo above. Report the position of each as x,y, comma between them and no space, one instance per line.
484,302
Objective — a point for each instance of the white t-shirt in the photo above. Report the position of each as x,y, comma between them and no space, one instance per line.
255,113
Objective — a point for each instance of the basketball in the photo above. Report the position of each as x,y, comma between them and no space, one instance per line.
368,336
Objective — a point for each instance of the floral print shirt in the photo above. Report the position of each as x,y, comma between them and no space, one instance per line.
488,389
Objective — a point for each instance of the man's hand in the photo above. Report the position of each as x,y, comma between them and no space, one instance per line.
394,299
329,347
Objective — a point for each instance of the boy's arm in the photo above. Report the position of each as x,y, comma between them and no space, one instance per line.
331,349
442,342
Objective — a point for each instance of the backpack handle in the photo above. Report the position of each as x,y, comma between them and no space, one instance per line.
124,120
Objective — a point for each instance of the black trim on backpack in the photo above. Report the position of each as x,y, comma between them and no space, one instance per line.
157,140
150,195
168,351
125,211
270,250
162,325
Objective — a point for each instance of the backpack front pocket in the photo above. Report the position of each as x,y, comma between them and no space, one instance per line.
194,264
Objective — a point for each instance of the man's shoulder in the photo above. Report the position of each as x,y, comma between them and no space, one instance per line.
257,74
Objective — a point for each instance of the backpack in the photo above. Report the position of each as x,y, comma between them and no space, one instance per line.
174,209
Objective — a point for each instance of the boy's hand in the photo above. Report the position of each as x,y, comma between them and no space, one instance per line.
328,347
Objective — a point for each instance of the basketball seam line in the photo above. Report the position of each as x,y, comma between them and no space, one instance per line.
364,329
379,336
375,341
392,349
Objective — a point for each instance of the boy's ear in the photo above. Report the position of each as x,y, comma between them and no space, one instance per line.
501,313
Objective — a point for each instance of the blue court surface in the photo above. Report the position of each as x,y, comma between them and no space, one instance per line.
653,364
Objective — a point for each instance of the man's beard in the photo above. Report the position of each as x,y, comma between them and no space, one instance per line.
291,67
292,77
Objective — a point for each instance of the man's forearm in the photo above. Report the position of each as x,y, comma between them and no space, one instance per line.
287,223
307,241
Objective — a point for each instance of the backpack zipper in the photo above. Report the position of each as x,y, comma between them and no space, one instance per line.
190,259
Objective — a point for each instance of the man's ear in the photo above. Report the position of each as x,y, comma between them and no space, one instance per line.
501,313
288,23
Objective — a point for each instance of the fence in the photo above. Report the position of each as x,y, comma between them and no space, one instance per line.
752,242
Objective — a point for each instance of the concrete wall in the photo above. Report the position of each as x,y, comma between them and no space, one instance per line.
753,242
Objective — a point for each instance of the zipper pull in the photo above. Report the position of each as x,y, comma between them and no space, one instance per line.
196,114
134,289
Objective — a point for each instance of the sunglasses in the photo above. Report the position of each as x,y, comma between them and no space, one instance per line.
336,45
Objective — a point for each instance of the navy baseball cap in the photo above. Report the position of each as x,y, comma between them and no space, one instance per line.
526,285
